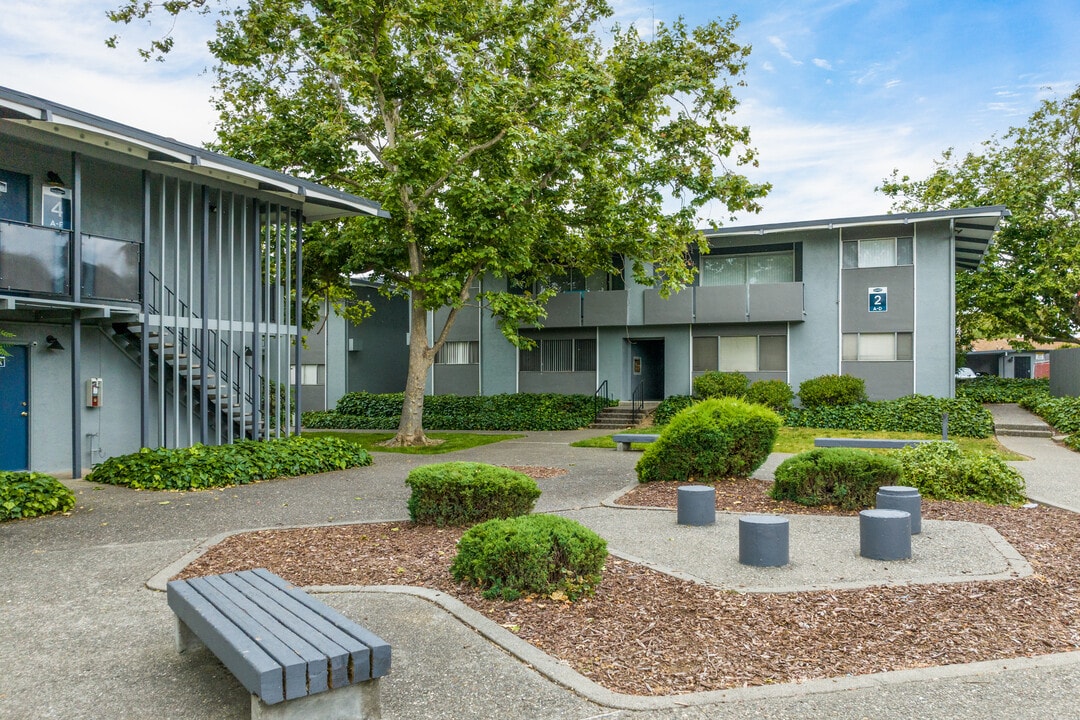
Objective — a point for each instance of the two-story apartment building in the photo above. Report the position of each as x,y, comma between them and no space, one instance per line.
871,297
149,289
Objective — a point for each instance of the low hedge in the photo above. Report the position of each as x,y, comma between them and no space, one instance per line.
518,411
846,478
246,461
776,395
463,493
720,384
832,391
1061,412
941,471
914,413
709,441
990,389
30,494
542,554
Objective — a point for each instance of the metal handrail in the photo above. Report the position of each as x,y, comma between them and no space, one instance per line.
596,398
635,401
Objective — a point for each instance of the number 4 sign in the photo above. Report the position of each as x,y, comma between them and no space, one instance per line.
879,299
56,207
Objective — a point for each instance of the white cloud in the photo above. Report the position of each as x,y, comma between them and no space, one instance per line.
781,47
823,64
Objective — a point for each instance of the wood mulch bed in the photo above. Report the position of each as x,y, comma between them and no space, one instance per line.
646,633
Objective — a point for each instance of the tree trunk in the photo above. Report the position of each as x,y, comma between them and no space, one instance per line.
411,429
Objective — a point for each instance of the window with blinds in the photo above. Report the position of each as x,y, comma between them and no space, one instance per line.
878,347
742,353
878,252
748,269
559,355
459,352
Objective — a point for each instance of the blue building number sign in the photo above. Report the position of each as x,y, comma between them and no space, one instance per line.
879,299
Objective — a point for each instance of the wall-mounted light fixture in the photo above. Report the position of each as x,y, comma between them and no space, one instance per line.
52,343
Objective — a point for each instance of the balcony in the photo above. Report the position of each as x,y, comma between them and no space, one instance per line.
36,260
723,304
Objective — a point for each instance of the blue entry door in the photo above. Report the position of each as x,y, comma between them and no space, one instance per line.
14,410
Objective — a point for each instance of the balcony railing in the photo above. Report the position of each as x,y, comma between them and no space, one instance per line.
37,260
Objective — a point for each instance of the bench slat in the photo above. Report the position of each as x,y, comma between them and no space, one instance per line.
335,646
273,624
255,669
379,649
294,666
879,443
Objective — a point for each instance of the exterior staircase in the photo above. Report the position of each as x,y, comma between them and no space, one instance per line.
622,416
1015,421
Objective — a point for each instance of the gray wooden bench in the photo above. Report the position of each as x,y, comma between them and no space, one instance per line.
285,647
624,439
873,443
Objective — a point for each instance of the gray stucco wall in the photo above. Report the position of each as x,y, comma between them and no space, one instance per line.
1065,373
935,317
814,344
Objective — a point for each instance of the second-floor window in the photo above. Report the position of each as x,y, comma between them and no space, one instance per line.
459,352
748,268
878,252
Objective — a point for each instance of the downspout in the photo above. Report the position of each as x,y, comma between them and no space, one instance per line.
144,336
76,317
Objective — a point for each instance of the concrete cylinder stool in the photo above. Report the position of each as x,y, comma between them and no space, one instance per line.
885,534
901,497
763,540
697,505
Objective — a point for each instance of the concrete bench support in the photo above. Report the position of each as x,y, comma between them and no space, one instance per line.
623,440
885,534
297,657
901,497
763,540
696,505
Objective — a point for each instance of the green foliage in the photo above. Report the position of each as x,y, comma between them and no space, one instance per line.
1073,442
29,494
709,441
1026,285
774,394
720,384
504,139
669,407
541,554
1063,413
913,413
991,389
462,493
519,411
846,478
832,391
205,466
941,471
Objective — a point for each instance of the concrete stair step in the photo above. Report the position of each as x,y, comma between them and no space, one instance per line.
1020,432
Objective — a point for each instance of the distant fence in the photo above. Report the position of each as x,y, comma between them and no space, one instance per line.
1065,373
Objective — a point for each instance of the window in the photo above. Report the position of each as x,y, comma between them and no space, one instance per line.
309,374
743,353
559,355
459,352
878,252
748,268
877,347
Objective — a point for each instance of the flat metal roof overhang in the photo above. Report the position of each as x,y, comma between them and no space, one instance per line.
972,228
318,201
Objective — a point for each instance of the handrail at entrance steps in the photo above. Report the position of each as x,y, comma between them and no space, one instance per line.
596,397
637,402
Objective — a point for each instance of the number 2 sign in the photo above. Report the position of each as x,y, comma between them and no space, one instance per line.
878,299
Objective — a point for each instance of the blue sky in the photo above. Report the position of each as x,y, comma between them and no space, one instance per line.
838,92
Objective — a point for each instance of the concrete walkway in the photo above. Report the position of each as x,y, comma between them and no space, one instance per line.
81,635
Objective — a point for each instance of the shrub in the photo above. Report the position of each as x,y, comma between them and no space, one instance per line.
990,389
542,554
914,413
30,494
462,493
774,394
1061,412
843,477
720,384
669,407
518,411
941,471
832,391
1073,442
246,461
711,440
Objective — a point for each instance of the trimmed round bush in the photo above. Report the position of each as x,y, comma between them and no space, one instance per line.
669,407
832,391
774,394
846,478
941,471
30,494
542,554
709,441
720,384
463,493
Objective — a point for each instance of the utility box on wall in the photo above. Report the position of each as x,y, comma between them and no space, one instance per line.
93,392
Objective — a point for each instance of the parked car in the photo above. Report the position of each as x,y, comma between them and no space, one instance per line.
966,373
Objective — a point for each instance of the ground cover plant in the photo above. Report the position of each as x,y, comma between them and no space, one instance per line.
846,478
30,494
444,442
246,461
462,493
1062,413
993,389
711,440
941,471
914,413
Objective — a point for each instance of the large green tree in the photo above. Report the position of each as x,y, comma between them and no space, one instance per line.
1028,284
510,140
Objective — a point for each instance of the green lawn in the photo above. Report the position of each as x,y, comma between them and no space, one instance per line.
797,440
451,441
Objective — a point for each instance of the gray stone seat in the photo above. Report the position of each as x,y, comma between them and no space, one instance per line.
624,439
286,648
874,443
